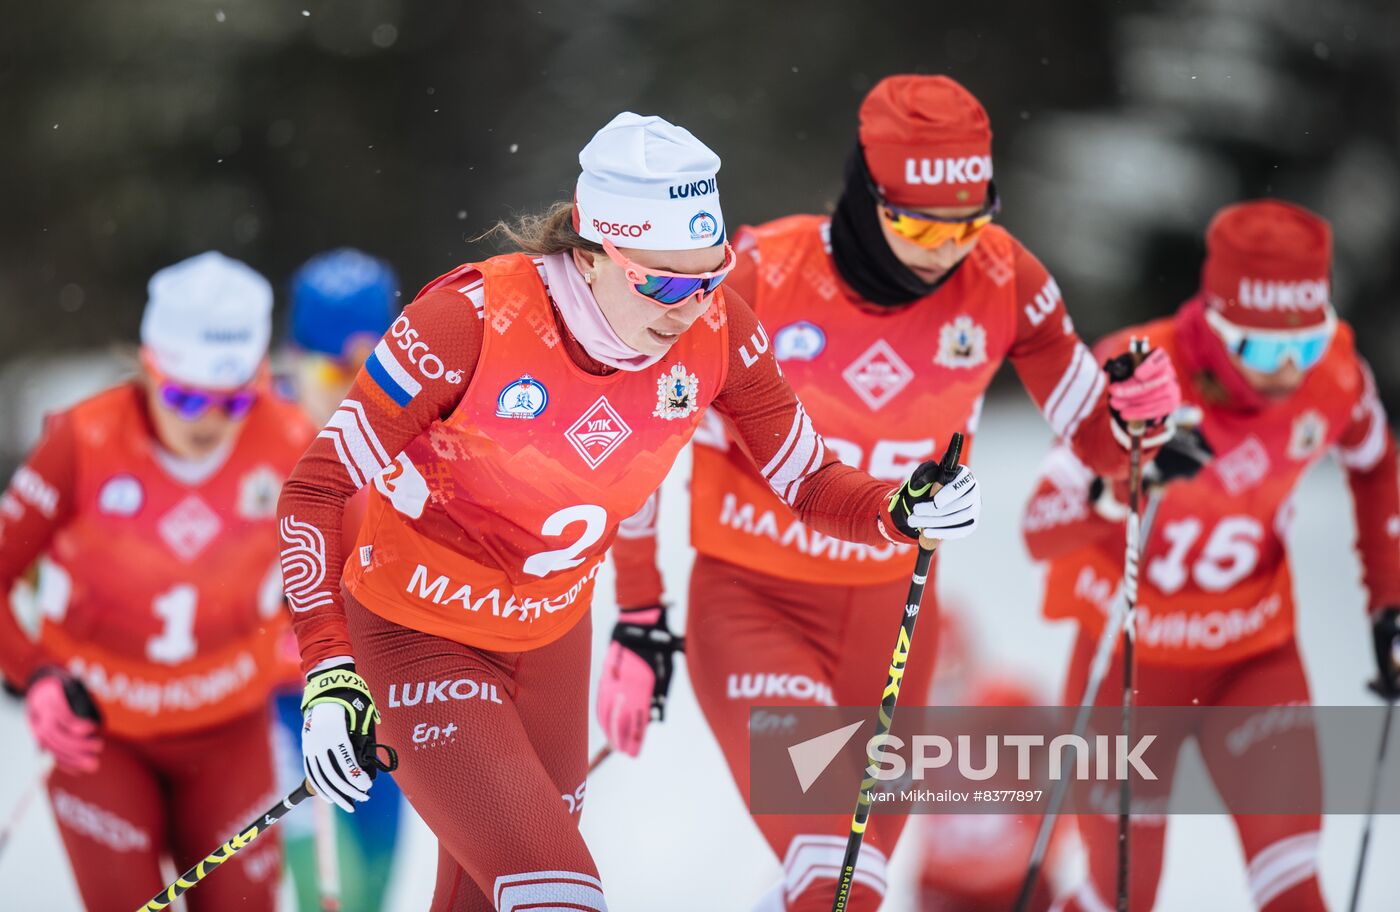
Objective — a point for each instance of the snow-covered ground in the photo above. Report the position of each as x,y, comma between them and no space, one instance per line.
669,831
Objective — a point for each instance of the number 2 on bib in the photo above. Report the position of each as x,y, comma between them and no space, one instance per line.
595,523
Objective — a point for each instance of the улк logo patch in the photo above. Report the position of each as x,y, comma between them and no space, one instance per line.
524,398
961,343
597,433
676,394
189,527
878,375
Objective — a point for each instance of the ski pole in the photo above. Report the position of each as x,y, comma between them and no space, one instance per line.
223,853
947,468
1375,799
1098,670
21,807
1138,350
252,831
604,753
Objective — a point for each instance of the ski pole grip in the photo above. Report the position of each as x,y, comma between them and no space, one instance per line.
80,700
948,465
1120,369
947,471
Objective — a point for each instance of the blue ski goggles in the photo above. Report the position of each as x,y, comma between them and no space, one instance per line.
1265,350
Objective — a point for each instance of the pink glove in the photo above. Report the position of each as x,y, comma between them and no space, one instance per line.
57,726
1148,393
636,676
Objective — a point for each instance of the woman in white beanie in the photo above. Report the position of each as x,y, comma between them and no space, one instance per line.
516,411
150,508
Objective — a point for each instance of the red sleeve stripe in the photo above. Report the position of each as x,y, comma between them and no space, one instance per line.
1075,394
1364,455
783,450
476,293
800,453
818,457
1064,470
356,444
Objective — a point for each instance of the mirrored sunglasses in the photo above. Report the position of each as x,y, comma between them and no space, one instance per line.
931,232
191,403
670,288
1265,350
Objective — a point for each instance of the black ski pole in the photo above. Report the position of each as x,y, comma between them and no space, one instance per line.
1138,349
1375,799
252,831
947,468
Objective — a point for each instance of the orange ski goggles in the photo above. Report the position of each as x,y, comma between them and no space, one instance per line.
931,232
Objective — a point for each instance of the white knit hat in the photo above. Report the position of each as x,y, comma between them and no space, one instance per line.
648,184
208,321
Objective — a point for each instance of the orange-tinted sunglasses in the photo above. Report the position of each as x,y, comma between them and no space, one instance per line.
930,232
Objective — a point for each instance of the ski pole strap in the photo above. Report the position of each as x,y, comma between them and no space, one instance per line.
223,853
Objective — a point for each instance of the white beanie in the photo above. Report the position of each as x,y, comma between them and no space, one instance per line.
648,184
208,321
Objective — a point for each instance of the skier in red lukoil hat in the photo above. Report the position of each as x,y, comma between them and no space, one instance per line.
890,317
1278,383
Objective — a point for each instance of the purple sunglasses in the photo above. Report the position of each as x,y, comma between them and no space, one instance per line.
191,404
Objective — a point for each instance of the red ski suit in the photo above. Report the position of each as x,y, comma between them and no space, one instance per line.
780,613
1215,599
162,593
502,459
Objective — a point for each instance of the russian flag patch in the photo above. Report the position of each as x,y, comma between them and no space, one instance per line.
386,371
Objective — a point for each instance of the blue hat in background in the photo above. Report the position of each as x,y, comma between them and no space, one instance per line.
341,295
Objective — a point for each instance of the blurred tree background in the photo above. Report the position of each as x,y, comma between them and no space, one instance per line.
140,132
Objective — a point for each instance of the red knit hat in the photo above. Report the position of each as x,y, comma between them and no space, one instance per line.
927,142
1267,265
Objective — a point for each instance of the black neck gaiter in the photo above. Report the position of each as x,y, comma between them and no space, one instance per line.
862,255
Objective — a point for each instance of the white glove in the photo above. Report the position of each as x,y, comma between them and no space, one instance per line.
337,731
951,512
